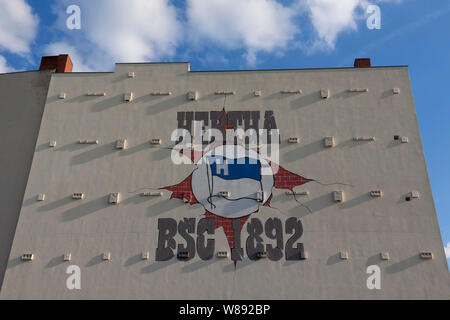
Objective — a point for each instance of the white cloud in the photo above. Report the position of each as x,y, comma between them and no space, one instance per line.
18,26
330,18
57,48
123,31
254,25
447,250
4,68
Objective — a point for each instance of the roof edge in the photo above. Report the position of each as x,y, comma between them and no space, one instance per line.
300,69
243,70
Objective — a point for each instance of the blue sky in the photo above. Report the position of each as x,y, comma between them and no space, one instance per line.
255,34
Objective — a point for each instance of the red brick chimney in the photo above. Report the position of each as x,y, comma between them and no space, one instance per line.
362,63
60,64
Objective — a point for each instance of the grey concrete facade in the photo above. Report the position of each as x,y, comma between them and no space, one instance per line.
362,226
21,107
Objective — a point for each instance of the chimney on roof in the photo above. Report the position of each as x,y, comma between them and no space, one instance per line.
60,64
362,63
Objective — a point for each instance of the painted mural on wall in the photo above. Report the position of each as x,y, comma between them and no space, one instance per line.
236,170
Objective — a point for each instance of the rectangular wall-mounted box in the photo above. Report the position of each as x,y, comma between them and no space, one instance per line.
304,255
62,95
257,93
78,196
415,194
364,138
52,144
121,144
358,90
343,255
106,256
325,93
88,142
338,196
384,256
161,93
131,74
223,254
40,197
412,195
426,255
67,257
225,194
404,139
151,194
291,91
396,91
261,254
183,255
297,193
225,92
114,198
293,140
128,96
156,141
329,142
27,257
192,95
376,193
145,255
